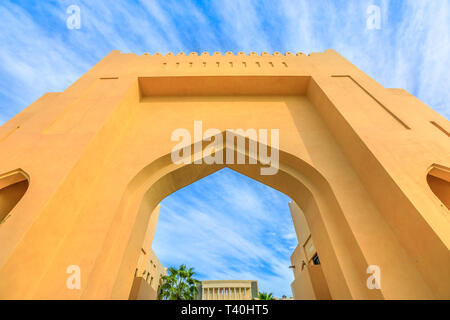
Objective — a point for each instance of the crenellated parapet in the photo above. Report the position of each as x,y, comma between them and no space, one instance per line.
327,62
231,54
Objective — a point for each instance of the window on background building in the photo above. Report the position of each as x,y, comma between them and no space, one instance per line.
315,259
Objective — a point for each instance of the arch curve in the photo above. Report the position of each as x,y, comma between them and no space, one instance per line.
295,178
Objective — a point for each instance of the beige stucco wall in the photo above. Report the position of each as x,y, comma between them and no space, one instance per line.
9,196
300,225
149,269
148,278
353,155
318,281
301,287
142,290
309,281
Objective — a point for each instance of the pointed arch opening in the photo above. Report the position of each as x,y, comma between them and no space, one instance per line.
438,179
13,186
295,178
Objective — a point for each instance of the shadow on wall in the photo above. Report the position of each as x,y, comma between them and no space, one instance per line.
13,186
438,179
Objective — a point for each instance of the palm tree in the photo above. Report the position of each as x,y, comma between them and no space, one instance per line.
179,284
265,296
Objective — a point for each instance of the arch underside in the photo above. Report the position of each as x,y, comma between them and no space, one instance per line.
343,261
348,239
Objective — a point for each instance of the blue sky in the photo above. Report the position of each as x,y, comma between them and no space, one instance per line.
228,226
39,54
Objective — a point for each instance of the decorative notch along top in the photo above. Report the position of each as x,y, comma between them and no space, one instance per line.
227,54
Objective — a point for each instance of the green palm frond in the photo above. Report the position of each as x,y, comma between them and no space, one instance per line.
265,296
179,284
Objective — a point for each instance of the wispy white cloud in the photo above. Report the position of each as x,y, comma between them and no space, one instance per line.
26,71
39,54
424,53
228,226
241,23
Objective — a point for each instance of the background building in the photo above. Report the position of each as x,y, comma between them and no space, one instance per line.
309,282
147,277
228,290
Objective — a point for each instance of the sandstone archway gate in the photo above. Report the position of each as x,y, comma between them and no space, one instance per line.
353,155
